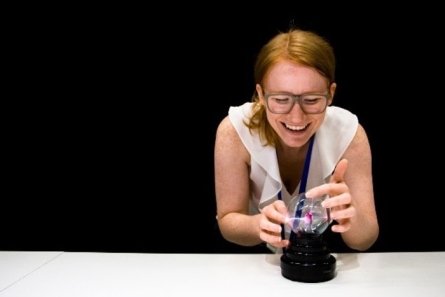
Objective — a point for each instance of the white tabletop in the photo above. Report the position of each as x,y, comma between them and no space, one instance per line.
127,274
16,265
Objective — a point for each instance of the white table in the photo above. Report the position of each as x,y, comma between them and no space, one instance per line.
65,274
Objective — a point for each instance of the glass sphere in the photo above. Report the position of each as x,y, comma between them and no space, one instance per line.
307,215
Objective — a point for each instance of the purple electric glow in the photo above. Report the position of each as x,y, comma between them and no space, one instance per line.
308,218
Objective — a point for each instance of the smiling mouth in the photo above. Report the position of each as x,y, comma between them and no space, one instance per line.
296,128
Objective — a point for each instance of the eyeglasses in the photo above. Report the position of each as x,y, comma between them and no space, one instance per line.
309,103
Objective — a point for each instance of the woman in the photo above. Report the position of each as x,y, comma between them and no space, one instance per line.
261,148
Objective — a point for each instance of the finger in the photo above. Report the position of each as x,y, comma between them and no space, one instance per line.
339,200
345,226
327,189
269,227
276,212
281,244
271,237
280,206
341,214
339,171
274,240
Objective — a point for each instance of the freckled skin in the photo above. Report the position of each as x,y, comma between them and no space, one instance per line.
291,78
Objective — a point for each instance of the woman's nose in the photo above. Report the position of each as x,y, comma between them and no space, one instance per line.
296,110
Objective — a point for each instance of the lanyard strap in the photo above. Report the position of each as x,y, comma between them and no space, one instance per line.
303,183
307,162
305,174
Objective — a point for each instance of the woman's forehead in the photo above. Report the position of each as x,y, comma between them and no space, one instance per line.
294,78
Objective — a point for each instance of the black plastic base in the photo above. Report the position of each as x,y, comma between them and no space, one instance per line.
308,260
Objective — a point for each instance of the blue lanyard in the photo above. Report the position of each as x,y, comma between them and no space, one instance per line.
303,183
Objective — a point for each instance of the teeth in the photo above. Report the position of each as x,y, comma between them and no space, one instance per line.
295,127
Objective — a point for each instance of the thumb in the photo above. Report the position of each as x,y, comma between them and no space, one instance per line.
339,171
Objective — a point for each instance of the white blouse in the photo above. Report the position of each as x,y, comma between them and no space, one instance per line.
331,141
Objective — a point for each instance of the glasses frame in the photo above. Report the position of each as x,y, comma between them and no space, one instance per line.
294,99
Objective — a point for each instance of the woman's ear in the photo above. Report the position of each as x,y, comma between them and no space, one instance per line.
332,92
259,91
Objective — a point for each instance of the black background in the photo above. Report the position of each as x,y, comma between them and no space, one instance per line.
110,146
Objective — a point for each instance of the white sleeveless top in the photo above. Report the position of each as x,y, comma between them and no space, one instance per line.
331,141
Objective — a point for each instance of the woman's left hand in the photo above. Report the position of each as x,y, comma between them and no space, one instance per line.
340,201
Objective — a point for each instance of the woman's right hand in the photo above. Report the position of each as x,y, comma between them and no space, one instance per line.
272,219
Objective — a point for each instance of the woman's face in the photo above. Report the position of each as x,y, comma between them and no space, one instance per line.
296,127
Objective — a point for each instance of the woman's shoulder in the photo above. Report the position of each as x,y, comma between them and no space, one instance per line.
228,141
336,133
359,145
243,111
338,123
225,127
226,133
344,127
233,123
339,114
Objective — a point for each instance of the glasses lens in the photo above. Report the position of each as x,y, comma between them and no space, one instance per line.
313,103
282,103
